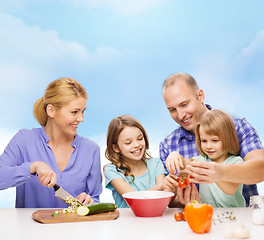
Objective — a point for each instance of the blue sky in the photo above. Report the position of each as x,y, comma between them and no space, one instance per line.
121,51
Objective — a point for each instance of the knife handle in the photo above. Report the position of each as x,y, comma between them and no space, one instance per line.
56,187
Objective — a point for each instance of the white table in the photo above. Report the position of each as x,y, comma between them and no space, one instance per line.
18,224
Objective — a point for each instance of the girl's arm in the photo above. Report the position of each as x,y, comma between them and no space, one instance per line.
121,186
228,187
159,183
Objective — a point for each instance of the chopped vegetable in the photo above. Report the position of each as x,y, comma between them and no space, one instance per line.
82,210
74,204
55,214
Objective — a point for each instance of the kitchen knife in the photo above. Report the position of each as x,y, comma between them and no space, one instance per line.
63,195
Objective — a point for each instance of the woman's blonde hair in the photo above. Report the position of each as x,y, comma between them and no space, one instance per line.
58,93
219,123
115,127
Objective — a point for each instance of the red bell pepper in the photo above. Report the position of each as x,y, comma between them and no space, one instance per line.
199,216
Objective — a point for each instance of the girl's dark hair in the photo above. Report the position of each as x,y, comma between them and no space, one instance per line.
115,127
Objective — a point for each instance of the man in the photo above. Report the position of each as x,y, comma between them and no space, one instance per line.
185,102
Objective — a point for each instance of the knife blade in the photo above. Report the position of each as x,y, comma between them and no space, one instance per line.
63,195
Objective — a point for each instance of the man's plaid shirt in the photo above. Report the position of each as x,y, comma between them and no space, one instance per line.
183,141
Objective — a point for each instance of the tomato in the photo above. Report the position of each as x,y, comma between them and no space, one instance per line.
183,216
178,216
182,184
186,180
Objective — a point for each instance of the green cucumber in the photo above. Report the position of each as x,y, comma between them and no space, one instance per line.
95,208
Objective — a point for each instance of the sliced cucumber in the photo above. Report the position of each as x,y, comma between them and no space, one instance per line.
82,211
95,208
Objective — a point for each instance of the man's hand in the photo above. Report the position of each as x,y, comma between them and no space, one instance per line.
188,194
204,172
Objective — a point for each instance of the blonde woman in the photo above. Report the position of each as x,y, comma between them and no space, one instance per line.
216,141
35,160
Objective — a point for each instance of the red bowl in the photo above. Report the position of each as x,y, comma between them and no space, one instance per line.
148,203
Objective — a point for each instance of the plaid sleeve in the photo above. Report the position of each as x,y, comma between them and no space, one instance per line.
247,136
163,153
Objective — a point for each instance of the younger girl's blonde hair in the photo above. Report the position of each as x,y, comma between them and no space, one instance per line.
115,127
58,93
218,123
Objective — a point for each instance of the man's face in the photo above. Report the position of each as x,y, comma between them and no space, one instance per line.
185,106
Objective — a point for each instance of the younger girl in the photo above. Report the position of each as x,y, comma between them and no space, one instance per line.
132,167
217,141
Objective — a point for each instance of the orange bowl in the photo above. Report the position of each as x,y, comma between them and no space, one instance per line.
148,203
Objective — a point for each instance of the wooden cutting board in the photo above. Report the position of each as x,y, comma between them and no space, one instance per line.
44,216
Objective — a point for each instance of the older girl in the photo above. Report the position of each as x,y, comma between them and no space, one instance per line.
132,167
35,160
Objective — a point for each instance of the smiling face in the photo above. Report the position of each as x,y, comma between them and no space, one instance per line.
131,144
67,118
212,146
186,106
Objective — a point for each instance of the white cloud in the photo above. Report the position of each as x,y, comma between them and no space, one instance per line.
226,78
30,57
124,7
256,46
110,55
235,84
21,43
29,54
30,43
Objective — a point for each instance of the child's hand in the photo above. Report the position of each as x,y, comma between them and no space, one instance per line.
188,194
170,183
174,162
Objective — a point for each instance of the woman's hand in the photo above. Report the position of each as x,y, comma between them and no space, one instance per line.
84,198
46,176
174,162
188,194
